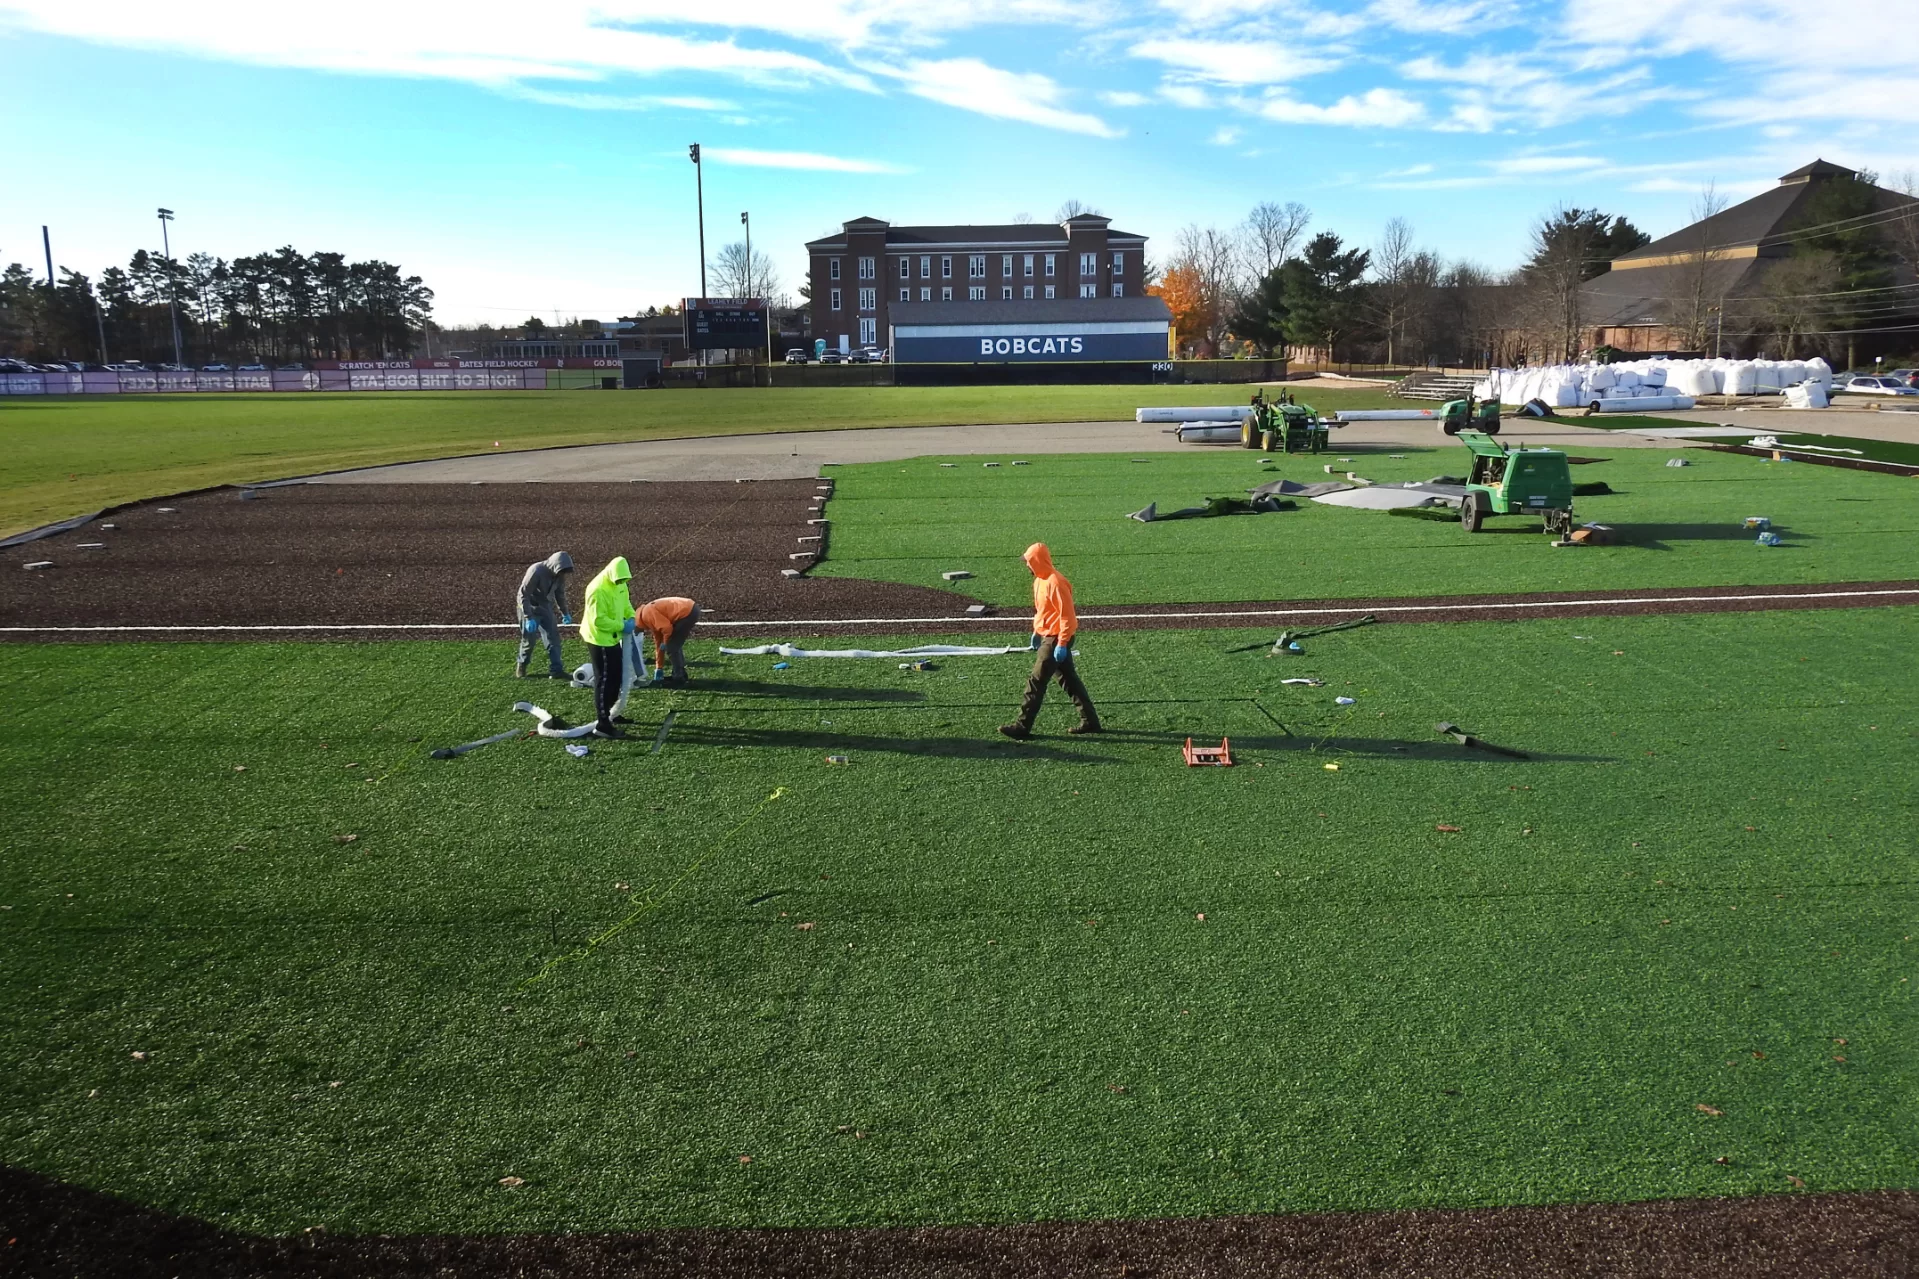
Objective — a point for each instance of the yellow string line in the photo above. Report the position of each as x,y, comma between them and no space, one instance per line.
651,902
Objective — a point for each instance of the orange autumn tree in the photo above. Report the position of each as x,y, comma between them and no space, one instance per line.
1185,296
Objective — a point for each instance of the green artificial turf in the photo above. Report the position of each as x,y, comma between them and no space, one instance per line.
67,456
1871,450
1681,526
958,979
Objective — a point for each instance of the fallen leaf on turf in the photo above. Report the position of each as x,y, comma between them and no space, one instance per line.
1796,1181
746,1159
512,1181
1704,1109
1619,652
1664,922
1453,829
239,768
1115,1088
1840,1042
806,927
1757,1055
1201,917
1840,1060
1723,1160
345,839
139,1056
336,1083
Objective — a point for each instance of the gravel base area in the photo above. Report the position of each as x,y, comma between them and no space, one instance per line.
52,1229
449,556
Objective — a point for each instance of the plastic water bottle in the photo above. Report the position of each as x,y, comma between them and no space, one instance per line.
1769,539
1346,701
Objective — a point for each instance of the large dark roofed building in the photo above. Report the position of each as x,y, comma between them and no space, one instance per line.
1640,304
861,274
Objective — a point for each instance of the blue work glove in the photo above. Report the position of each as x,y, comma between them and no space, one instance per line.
1061,653
1035,643
630,627
529,626
566,619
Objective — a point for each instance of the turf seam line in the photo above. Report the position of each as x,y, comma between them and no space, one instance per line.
1091,617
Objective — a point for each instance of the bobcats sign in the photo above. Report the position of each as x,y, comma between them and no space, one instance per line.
1031,346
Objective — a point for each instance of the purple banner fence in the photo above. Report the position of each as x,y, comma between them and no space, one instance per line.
283,380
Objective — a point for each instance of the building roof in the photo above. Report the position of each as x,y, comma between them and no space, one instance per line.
1049,234
1740,246
1037,311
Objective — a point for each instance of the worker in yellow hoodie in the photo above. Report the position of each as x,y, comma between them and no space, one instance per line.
606,618
1054,625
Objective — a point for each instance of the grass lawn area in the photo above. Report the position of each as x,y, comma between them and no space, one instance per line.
961,979
68,455
911,521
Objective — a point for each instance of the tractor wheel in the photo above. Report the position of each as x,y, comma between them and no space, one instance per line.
1491,427
1472,512
1449,426
1248,435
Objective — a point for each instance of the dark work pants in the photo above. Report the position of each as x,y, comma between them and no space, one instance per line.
1046,669
549,632
674,650
609,667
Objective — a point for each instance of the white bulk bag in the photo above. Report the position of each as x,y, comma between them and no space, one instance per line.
1741,378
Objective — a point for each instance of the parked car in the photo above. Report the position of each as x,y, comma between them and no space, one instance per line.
215,368
832,357
797,355
1877,384
16,366
171,368
252,368
1909,376
127,366
876,355
293,368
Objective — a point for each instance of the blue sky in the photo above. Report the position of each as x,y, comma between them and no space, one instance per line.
532,158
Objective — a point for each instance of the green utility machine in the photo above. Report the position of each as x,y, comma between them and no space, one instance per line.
1283,426
1460,415
1518,481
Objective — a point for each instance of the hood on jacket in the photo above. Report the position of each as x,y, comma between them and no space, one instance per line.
617,571
1039,559
560,562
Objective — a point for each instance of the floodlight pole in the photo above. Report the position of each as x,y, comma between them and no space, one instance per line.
46,242
173,290
699,196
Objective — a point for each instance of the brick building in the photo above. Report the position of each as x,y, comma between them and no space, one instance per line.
870,266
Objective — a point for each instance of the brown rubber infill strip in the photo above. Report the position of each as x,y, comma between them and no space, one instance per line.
56,1228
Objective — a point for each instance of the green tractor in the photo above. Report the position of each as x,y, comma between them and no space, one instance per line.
1461,415
1284,426
1518,481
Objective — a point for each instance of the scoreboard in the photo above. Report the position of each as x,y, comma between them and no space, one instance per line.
720,324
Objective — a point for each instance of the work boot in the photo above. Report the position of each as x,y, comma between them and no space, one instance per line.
519,670
612,732
1084,727
1018,732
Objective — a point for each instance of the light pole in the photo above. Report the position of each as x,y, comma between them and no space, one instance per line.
747,222
699,196
173,290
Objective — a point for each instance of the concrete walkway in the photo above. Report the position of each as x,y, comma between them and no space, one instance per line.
800,454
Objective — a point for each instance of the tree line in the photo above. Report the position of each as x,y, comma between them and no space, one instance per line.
269,308
1266,287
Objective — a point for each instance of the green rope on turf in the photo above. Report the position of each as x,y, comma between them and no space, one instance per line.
651,902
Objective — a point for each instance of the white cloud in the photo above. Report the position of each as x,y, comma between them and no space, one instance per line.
1524,165
619,102
972,85
1410,172
1231,61
1375,108
797,160
1185,95
1449,19
1225,136
489,42
1124,98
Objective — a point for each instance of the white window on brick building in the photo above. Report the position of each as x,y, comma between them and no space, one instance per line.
1006,293
1006,266
1029,264
1089,290
869,331
946,294
832,268
926,295
866,268
1049,265
869,299
906,295
977,293
1029,293
906,268
1088,264
946,268
926,268
976,267
1119,263
1119,290
836,299
1049,290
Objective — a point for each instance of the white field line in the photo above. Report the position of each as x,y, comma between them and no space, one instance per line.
1003,619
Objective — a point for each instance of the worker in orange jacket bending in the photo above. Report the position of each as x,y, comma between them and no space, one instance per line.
1054,626
669,621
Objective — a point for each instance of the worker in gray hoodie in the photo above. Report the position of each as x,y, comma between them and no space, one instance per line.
542,611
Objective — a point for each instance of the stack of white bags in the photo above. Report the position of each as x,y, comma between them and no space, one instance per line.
1650,384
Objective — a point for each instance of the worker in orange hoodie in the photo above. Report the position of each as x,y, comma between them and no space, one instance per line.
669,621
1054,626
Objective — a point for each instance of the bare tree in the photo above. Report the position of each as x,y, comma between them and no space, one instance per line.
1799,298
1902,231
1022,219
1402,279
1562,242
1074,209
1703,285
736,277
1269,233
1206,258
